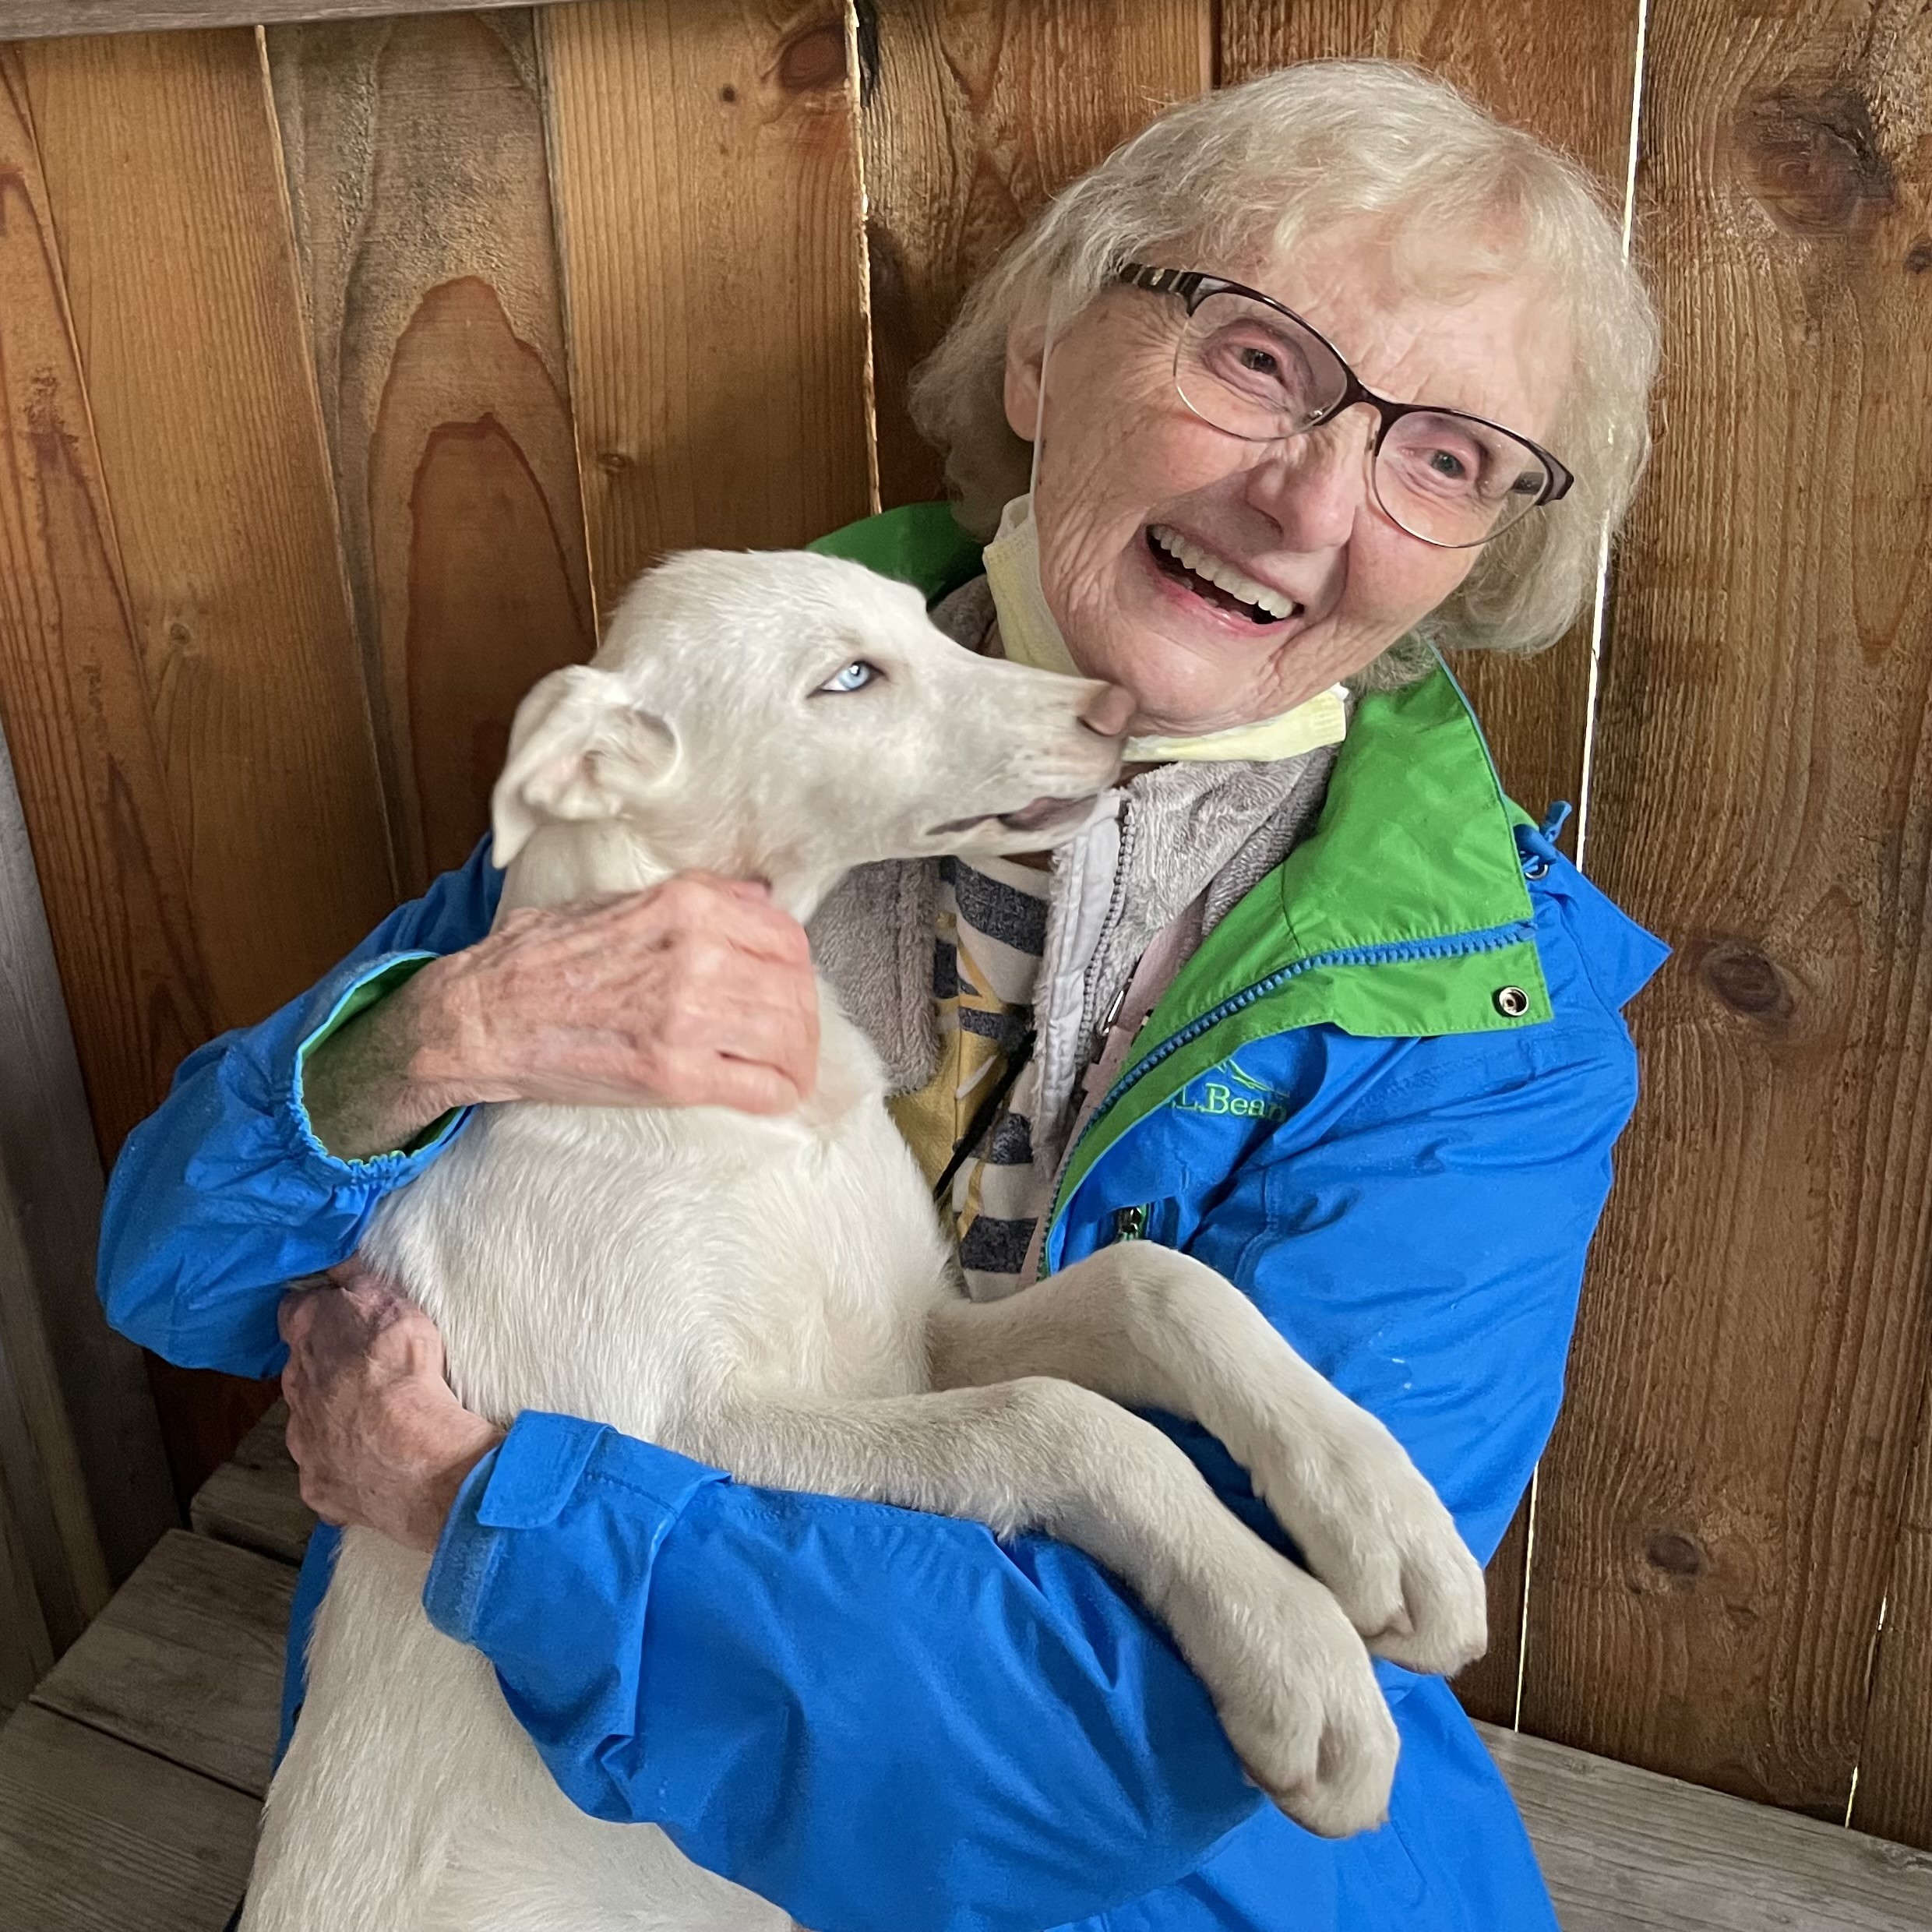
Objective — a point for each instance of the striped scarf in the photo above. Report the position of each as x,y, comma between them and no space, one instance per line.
991,934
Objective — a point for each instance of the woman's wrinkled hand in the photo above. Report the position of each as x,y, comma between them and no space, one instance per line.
379,1437
697,993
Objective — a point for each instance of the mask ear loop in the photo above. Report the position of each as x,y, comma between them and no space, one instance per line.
1039,400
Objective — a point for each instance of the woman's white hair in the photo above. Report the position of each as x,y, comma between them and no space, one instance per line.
1251,170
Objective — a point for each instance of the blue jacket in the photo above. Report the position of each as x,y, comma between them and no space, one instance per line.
1382,1102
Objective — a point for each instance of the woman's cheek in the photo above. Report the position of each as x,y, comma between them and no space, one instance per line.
1404,580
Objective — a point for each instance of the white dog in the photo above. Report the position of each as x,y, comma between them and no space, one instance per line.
773,1297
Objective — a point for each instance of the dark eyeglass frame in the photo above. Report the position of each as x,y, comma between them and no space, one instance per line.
1194,286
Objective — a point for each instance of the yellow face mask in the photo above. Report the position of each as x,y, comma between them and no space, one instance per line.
1029,635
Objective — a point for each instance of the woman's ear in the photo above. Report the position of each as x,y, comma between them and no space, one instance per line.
581,748
1026,360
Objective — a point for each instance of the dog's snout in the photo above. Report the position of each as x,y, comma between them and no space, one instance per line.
1109,712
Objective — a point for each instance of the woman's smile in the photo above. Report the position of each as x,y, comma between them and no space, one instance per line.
1198,573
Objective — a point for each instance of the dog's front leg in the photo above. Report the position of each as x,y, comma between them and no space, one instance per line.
1289,1677
1156,1329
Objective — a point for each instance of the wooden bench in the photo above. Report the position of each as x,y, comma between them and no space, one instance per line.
130,1783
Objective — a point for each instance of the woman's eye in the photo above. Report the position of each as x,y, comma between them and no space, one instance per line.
1259,363
1446,463
854,677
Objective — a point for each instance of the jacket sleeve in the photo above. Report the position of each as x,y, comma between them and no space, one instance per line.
882,1721
224,1193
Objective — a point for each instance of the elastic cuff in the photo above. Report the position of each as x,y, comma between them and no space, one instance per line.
374,982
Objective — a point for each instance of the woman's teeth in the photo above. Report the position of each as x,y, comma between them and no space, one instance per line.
1267,606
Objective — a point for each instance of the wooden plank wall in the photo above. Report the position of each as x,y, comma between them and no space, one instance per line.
447,325
1721,1510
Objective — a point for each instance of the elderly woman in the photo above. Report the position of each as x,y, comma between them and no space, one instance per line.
1315,375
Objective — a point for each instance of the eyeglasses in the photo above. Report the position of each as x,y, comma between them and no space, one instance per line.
1255,369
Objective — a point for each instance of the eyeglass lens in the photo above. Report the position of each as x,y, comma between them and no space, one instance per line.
1448,478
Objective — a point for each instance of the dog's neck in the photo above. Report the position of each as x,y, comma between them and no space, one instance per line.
567,861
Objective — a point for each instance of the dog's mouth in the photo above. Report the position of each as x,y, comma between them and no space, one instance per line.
1043,814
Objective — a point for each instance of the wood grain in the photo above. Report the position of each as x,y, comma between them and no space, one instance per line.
706,173
95,1834
51,1526
254,1500
186,1662
1893,1797
26,19
1625,1850
92,1400
980,113
26,1649
73,696
93,785
1720,1498
248,695
228,540
414,155
1565,73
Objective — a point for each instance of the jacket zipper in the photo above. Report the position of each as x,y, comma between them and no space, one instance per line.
1489,939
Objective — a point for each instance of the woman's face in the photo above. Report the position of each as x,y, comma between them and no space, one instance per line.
1122,458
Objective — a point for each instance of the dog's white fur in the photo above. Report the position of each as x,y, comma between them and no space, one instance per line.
774,1296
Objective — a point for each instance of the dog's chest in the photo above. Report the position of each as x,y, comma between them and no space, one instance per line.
633,1266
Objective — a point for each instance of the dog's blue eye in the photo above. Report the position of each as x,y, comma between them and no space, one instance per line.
854,677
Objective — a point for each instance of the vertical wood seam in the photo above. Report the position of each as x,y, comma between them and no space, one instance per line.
868,388
560,267
312,388
560,252
1602,599
1875,1663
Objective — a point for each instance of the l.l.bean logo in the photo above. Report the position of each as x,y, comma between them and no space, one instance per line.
1225,1090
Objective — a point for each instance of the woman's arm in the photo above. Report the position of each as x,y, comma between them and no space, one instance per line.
277,1141
228,1190
884,1721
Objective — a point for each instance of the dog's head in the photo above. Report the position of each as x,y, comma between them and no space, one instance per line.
784,716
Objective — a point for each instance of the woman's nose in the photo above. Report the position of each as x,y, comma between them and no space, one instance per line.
1313,486
1108,711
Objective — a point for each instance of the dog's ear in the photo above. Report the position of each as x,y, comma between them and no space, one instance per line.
581,748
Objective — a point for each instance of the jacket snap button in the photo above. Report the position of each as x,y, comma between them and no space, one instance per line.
1511,1002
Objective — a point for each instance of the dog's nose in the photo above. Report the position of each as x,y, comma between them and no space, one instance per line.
1109,712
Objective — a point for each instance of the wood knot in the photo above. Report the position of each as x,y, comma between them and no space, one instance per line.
812,59
1747,982
1919,256
1814,162
612,462
1670,1550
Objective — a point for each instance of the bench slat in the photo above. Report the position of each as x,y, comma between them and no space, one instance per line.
1625,1850
253,1499
96,1834
186,1661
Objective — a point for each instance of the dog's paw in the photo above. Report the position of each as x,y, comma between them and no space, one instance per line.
1375,1531
1294,1689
